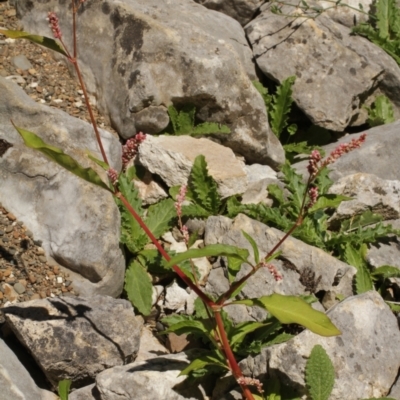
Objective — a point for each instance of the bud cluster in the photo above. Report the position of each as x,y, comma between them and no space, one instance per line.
272,269
244,380
54,25
112,175
130,149
313,194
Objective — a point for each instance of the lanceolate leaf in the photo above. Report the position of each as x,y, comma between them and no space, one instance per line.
253,245
208,251
202,362
138,287
239,332
320,374
42,40
385,272
63,388
64,160
294,310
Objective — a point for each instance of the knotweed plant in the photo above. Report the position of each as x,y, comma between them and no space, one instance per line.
286,309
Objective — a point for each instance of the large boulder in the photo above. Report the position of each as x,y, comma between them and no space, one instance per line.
77,222
336,72
76,338
139,57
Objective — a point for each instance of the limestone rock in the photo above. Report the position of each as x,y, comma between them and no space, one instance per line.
76,338
172,158
367,327
336,72
77,222
156,54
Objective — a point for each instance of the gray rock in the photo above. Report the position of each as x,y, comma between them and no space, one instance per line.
156,54
89,392
241,10
64,211
216,226
369,193
15,381
379,155
368,327
171,157
354,70
258,172
20,61
156,378
76,338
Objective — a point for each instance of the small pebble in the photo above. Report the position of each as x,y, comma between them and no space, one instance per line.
19,288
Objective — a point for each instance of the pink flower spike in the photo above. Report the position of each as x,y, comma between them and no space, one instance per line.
245,380
180,199
113,175
131,147
54,25
274,272
313,194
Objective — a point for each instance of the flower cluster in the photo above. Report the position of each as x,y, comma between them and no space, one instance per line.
274,272
54,25
112,175
180,199
313,194
315,165
244,380
130,149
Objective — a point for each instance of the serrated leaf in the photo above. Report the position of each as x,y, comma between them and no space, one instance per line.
33,141
194,211
161,217
63,388
281,105
381,112
276,192
138,288
186,119
207,128
295,185
215,250
382,14
360,221
204,187
42,40
294,310
354,256
385,272
173,115
320,374
264,93
328,201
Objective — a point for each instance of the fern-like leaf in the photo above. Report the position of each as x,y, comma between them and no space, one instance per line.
207,128
281,105
320,374
381,112
204,187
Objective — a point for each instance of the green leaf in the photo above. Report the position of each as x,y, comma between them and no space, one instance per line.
100,163
63,388
204,187
253,245
381,112
186,119
239,332
328,201
276,192
161,217
194,211
64,160
264,93
385,272
153,261
273,389
320,374
360,221
234,265
294,310
138,287
202,362
207,128
355,257
383,16
42,40
200,309
213,250
281,105
295,185
190,326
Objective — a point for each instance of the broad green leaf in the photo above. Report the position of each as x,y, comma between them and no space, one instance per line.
161,217
328,201
138,287
204,187
63,388
202,362
215,250
234,265
173,319
253,245
281,105
200,308
294,310
42,40
320,374
385,272
64,160
239,332
153,261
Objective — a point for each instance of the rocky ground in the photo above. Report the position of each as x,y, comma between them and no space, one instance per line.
25,271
